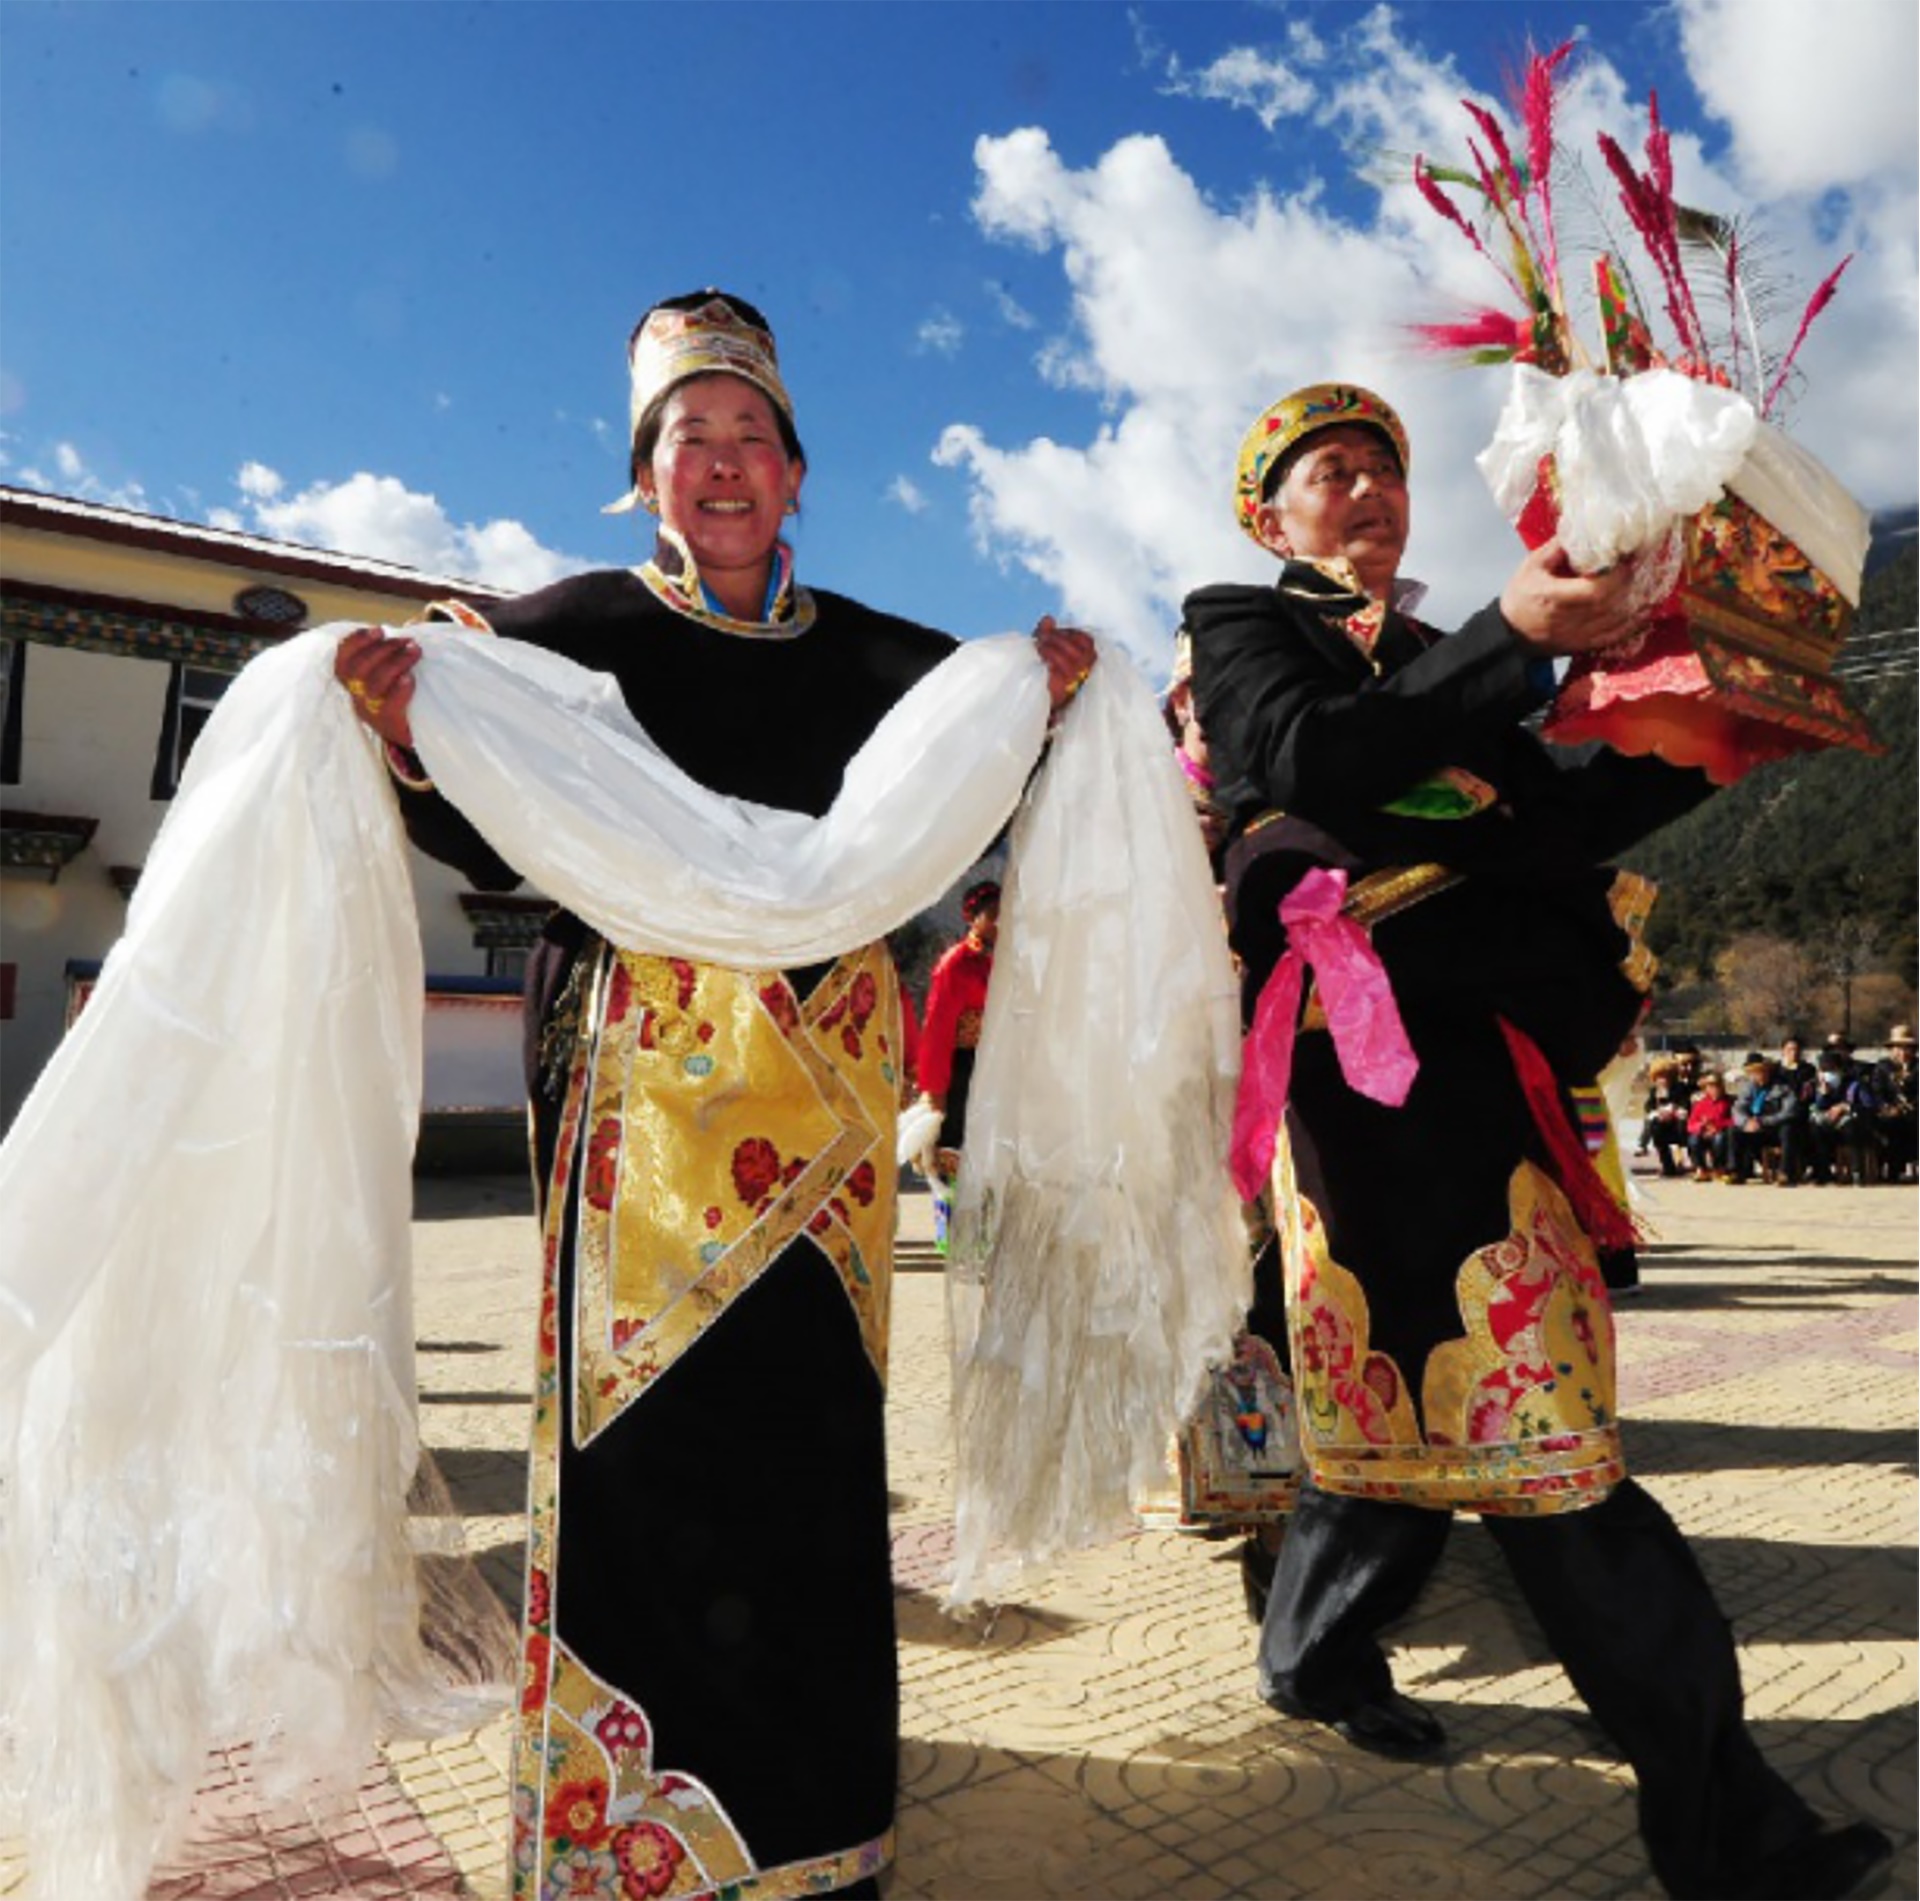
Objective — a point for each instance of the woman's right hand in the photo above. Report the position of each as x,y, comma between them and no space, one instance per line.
1554,609
376,668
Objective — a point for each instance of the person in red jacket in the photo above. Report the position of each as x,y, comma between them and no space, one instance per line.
956,1008
1710,1130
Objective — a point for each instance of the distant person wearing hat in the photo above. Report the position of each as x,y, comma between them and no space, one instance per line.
1769,1117
1453,1342
1663,1127
710,1696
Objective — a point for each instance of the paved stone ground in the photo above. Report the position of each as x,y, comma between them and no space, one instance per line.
1101,1738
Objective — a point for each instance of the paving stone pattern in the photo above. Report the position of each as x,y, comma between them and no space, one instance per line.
1102,1739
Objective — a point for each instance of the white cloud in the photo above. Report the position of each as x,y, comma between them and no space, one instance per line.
1013,313
373,515
71,474
1271,89
908,494
1190,314
380,517
941,332
1813,96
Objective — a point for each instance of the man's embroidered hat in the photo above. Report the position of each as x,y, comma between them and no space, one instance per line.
707,333
1292,419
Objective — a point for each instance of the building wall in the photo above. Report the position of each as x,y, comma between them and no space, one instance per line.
92,723
93,704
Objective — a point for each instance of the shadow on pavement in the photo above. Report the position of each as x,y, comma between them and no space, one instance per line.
1701,1445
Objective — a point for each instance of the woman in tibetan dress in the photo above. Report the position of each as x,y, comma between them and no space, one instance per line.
709,1698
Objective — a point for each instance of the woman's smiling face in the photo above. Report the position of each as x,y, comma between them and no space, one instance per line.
721,475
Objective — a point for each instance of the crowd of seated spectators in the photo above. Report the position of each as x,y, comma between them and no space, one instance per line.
1785,1119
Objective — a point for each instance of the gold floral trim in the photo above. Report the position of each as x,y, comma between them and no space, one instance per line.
1383,894
1519,1416
725,1118
1631,898
607,1819
672,577
589,1803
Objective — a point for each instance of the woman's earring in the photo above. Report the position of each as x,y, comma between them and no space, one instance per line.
651,503
793,506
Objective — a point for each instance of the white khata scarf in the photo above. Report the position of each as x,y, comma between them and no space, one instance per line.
207,1424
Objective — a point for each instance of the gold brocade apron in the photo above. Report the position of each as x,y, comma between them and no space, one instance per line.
1518,1414
712,1117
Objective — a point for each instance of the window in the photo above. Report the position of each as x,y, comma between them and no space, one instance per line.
274,605
191,695
13,679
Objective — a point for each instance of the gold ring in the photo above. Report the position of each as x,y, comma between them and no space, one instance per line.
372,702
358,688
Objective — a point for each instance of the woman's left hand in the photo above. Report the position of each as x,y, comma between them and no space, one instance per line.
1069,655
376,668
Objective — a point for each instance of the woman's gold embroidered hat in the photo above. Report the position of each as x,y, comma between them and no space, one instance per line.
707,334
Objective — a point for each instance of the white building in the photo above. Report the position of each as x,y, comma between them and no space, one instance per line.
118,632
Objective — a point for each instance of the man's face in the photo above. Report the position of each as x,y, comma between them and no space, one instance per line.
1343,494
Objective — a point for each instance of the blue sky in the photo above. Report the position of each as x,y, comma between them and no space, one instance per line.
362,274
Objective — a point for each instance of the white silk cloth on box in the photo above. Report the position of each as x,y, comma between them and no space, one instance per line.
1636,455
207,1427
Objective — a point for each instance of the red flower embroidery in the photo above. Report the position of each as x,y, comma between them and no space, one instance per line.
1382,1378
865,995
861,1184
850,1040
577,1812
1487,1418
619,994
623,1728
539,1598
779,1003
713,1217
538,1666
685,977
756,1168
648,1856
603,1164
